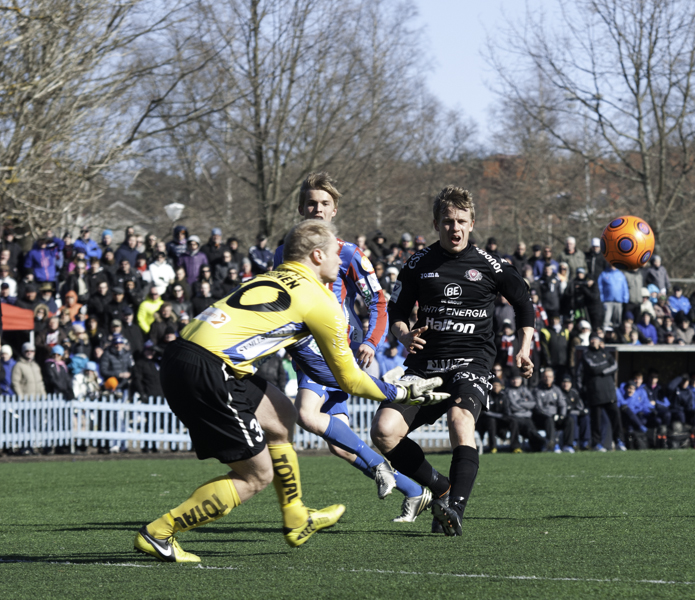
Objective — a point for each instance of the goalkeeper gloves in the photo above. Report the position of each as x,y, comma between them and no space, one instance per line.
413,390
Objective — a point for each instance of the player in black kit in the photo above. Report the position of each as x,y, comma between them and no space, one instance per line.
455,286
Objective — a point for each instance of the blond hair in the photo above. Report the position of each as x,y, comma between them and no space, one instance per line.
304,238
319,181
453,197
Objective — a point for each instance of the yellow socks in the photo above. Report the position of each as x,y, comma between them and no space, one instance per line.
214,499
287,485
211,501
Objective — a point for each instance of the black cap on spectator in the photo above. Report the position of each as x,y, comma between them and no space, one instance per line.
5,286
537,248
491,240
118,290
127,310
567,377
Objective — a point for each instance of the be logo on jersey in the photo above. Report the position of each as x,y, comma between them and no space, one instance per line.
473,275
453,290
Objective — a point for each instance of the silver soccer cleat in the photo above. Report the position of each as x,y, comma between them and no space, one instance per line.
385,479
413,506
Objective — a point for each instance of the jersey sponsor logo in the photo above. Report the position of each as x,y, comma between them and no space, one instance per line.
396,291
285,473
415,258
449,325
367,264
214,316
428,275
452,290
489,258
431,309
473,275
260,344
364,289
463,312
374,283
195,516
441,365
468,376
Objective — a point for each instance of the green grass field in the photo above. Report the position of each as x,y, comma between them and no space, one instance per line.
617,525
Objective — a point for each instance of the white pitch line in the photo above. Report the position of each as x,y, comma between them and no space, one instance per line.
519,577
379,572
74,564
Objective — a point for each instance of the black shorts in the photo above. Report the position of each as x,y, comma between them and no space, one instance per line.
218,410
469,385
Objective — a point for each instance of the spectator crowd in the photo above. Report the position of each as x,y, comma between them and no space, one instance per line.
104,313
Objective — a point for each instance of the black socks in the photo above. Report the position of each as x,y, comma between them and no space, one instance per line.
409,459
463,471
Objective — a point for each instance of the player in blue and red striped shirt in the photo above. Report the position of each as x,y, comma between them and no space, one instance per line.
323,410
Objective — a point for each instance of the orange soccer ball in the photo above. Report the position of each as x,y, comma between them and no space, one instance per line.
627,242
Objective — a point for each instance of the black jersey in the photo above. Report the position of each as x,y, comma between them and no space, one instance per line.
456,294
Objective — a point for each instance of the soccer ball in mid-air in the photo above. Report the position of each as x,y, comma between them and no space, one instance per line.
627,242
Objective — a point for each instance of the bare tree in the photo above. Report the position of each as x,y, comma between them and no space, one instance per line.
302,85
73,107
615,85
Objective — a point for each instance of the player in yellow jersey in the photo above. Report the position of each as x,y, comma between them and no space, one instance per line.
233,415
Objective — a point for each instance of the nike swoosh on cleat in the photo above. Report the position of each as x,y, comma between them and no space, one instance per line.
156,544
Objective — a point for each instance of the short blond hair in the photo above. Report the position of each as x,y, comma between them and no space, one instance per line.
319,181
304,238
455,197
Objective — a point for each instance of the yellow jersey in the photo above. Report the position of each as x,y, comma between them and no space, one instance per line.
273,311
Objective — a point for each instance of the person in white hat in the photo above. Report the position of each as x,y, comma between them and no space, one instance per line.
595,261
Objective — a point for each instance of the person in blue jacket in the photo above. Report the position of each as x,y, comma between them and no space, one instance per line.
647,329
87,245
41,259
8,363
678,302
389,356
615,292
630,404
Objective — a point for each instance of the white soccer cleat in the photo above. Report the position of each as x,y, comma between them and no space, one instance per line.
413,506
385,479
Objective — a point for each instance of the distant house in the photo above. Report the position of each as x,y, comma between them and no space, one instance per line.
118,215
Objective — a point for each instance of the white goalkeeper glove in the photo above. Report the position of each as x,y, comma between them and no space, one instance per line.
413,390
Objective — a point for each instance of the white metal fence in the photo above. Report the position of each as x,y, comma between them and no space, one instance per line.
109,422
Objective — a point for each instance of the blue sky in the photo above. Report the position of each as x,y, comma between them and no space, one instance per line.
455,34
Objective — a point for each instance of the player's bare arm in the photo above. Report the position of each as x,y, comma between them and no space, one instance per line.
410,339
523,358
